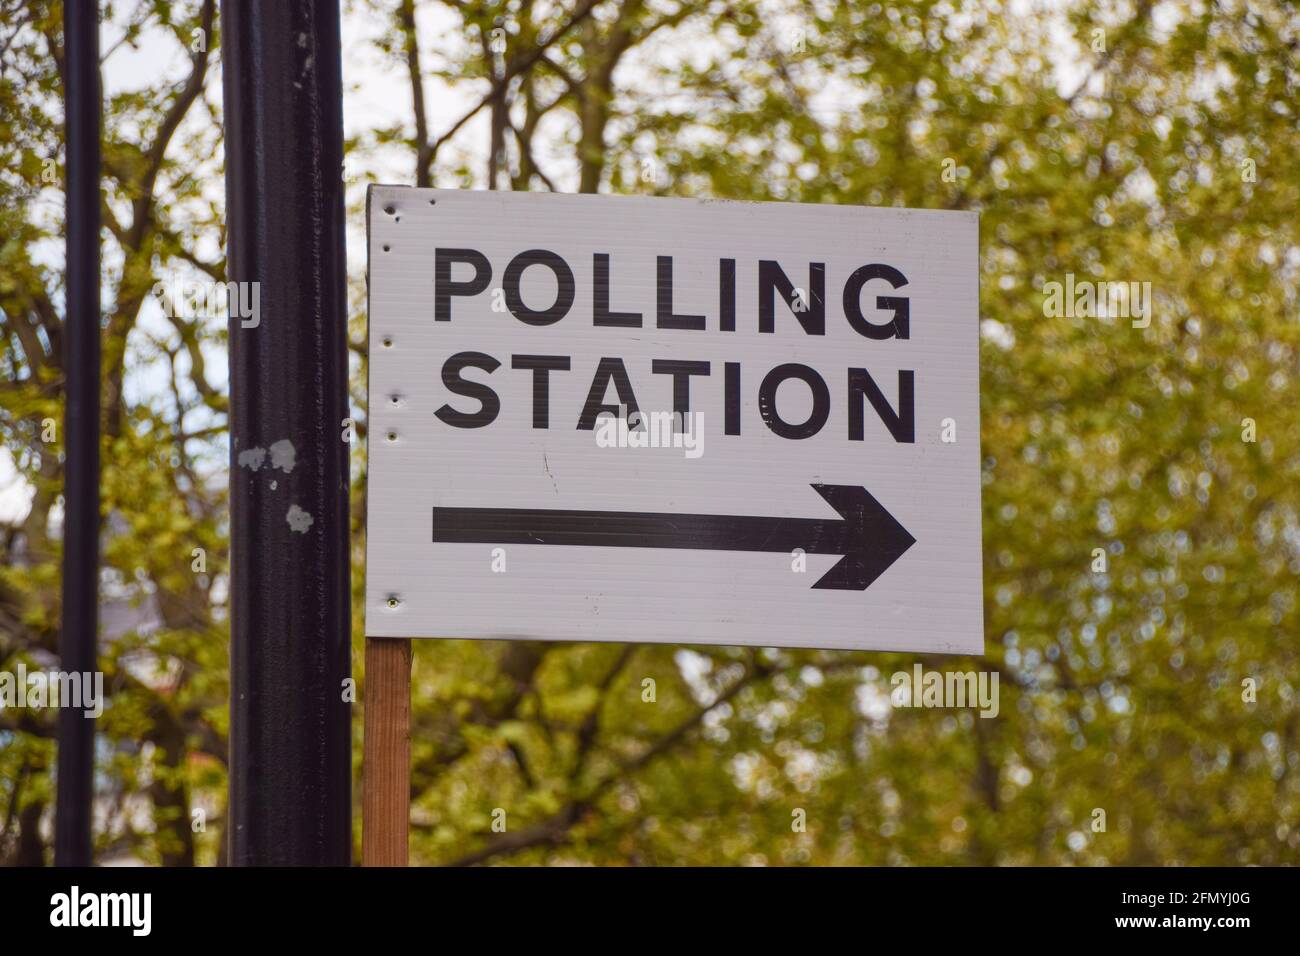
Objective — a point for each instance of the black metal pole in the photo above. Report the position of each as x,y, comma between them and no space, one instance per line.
290,738
78,635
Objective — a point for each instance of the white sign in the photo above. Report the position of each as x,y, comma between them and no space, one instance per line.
599,418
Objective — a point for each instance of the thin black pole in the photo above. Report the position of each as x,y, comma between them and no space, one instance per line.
78,636
290,738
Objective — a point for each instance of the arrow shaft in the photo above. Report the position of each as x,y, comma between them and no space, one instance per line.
638,529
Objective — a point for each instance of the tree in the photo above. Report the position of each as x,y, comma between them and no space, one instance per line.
163,735
1122,142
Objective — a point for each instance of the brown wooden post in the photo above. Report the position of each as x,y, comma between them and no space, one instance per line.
386,767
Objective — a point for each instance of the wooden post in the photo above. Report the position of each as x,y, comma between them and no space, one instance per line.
386,763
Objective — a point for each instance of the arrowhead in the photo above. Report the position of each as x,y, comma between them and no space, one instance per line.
875,539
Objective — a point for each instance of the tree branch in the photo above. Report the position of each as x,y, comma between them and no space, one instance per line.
512,70
555,829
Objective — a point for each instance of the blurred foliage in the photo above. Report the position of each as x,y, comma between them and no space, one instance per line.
1159,150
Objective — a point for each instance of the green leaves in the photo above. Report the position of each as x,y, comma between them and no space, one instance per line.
1167,159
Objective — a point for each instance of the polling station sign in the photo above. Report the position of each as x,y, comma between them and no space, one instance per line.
672,420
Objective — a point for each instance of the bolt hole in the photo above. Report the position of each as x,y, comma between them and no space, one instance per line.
388,341
433,202
390,209
392,436
393,603
396,400
387,247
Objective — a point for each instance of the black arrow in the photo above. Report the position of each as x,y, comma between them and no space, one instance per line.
867,535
